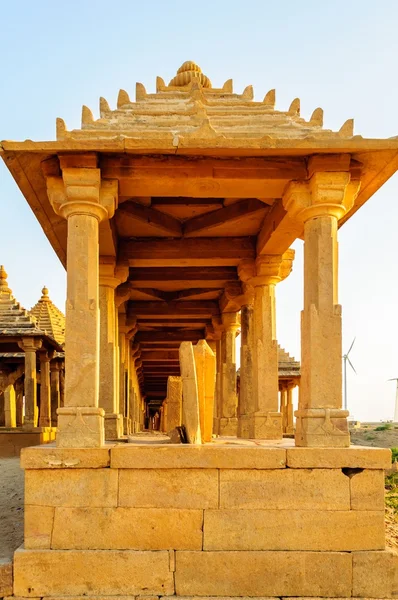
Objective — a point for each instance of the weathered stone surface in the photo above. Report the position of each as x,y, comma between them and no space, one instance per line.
5,578
205,363
168,488
356,457
72,487
325,530
94,573
263,573
127,528
197,457
303,489
174,402
38,525
373,574
367,490
65,458
190,398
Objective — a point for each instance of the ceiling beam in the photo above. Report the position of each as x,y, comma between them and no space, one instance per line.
190,252
278,231
156,218
178,309
166,356
210,277
228,214
193,335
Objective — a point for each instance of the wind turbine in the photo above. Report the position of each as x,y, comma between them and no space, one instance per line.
396,399
346,359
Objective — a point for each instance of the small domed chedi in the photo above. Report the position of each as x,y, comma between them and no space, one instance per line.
187,72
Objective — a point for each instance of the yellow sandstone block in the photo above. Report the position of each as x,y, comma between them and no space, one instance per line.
91,572
293,530
187,456
127,528
367,490
168,488
5,578
71,487
61,458
38,525
263,574
373,574
356,457
317,489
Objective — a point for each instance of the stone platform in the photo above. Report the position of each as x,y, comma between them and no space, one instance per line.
224,519
13,439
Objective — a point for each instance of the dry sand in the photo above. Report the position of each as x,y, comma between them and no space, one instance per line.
11,506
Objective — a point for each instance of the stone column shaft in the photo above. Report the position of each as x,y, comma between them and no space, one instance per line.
289,411
45,390
19,387
228,414
10,406
30,347
246,369
55,392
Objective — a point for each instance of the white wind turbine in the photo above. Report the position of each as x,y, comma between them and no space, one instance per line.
346,359
396,399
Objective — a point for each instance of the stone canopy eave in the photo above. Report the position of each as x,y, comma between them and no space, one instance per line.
378,157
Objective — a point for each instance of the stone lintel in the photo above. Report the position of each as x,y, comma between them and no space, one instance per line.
50,457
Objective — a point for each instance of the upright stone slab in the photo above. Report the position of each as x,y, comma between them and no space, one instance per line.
190,399
205,363
174,402
10,416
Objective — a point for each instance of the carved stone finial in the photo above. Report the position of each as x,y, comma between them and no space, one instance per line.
187,73
45,295
3,280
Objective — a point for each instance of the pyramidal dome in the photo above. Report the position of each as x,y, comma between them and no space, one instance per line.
49,318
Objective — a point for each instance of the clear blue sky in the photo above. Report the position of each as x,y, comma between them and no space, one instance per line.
340,55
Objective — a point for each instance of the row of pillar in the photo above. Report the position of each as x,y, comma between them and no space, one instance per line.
84,200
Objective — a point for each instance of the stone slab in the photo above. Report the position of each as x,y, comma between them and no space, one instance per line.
355,457
263,573
301,489
367,490
50,457
5,578
168,488
95,572
71,487
127,528
197,457
38,526
373,574
324,530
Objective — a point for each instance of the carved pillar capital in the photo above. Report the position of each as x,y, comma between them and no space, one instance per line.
81,191
30,344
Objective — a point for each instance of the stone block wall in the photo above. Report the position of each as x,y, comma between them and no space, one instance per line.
213,520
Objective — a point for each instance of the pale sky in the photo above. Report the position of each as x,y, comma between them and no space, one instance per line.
340,55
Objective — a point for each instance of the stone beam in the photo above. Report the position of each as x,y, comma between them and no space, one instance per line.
201,252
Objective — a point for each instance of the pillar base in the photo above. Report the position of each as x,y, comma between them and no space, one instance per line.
126,426
113,426
244,427
322,428
228,426
265,426
80,427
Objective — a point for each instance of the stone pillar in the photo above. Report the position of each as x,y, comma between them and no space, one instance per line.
61,388
30,347
81,198
320,204
283,406
289,410
217,394
205,364
229,400
110,276
263,421
10,416
55,369
45,389
19,386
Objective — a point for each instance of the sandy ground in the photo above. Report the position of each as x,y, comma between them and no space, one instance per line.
12,490
11,506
